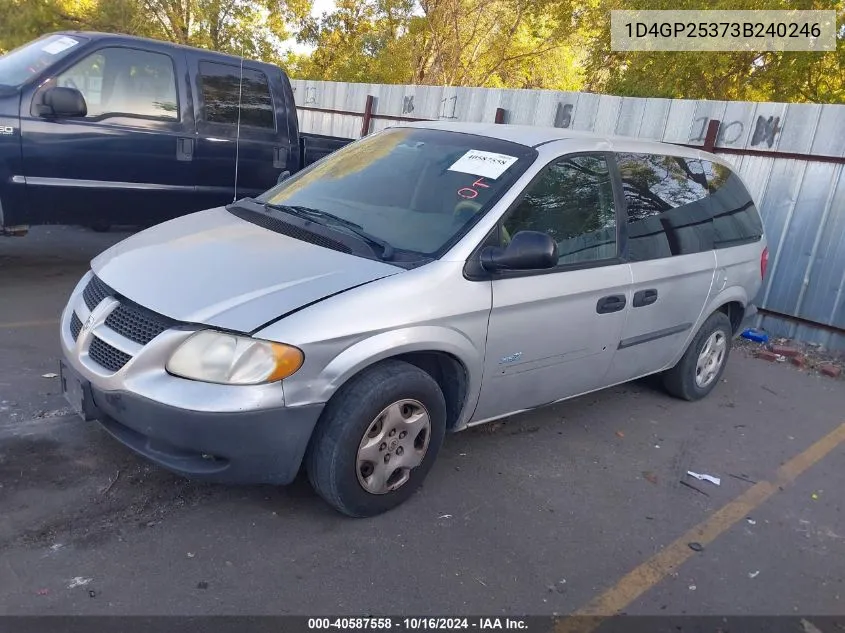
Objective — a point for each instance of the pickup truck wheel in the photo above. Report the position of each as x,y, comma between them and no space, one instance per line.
377,439
701,366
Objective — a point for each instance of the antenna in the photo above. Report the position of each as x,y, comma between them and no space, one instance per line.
238,131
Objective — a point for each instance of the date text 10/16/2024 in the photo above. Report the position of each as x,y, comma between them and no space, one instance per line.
417,624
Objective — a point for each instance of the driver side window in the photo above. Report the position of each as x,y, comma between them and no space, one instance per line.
125,82
573,202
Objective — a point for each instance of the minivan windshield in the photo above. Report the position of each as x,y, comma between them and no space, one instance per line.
18,65
413,189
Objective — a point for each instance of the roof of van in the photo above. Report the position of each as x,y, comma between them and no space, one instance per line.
533,136
120,37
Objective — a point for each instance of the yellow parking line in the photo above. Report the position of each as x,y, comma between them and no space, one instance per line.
25,324
642,578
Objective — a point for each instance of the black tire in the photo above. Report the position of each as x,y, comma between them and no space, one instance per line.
680,380
331,461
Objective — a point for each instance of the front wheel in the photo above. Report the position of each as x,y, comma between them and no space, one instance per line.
701,366
377,439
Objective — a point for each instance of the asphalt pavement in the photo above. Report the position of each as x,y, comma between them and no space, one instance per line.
581,507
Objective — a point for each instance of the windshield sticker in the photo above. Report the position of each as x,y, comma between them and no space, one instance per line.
61,44
487,164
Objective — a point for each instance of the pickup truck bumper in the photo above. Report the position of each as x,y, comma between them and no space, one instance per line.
256,446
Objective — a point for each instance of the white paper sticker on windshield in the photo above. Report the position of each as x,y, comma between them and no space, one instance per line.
61,44
486,164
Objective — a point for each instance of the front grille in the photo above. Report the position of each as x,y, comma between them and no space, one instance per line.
136,323
285,228
95,292
75,326
104,354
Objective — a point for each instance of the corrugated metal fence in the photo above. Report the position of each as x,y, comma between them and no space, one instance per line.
791,155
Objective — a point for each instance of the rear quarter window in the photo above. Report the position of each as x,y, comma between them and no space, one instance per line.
736,220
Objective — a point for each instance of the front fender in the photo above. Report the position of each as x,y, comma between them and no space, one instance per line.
366,352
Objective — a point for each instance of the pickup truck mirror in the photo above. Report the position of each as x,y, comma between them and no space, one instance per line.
528,250
283,176
62,102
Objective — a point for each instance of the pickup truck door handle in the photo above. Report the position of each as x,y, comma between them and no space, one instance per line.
645,297
184,149
612,303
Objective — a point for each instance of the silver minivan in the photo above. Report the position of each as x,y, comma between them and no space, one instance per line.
421,280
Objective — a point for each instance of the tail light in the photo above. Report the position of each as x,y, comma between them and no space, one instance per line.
764,262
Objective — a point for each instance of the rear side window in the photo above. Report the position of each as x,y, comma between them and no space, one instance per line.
573,202
667,206
221,88
735,218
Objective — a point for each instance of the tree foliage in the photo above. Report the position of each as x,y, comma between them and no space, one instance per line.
742,75
553,44
496,43
255,27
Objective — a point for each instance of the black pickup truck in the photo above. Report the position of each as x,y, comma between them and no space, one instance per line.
100,129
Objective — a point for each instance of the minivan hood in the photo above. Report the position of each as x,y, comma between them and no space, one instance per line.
214,268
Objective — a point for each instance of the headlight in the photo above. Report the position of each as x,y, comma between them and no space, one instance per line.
233,360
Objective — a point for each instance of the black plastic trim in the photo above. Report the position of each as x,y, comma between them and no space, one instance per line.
645,297
653,336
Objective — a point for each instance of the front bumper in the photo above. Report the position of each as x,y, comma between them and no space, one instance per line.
225,433
258,446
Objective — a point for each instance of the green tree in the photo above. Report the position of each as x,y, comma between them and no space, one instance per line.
495,43
254,27
742,75
26,20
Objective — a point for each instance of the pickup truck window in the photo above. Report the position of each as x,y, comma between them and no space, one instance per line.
18,65
418,190
220,85
125,81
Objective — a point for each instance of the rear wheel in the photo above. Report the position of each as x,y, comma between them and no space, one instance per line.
377,439
701,366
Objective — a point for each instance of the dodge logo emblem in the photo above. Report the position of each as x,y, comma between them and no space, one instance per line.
89,322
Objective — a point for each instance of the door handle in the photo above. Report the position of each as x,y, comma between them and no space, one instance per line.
645,297
613,303
184,149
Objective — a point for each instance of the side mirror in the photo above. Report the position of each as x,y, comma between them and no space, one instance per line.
62,102
528,250
283,176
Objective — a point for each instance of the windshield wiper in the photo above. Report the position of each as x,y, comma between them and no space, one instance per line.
311,214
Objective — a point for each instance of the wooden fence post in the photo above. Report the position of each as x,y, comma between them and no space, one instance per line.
368,116
711,136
